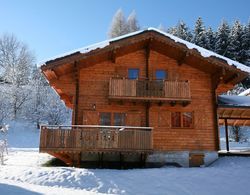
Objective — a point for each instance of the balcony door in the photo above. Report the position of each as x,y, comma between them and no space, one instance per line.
158,86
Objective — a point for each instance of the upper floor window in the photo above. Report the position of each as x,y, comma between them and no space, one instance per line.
160,74
133,73
182,119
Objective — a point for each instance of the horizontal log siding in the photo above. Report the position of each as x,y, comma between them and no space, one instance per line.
94,89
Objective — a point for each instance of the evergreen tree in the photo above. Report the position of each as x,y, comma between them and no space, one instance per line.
118,25
199,37
172,30
235,49
210,39
222,38
246,45
132,23
183,32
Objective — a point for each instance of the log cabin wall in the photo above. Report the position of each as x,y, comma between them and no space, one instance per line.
94,88
93,99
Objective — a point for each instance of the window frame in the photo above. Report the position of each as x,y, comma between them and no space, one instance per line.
133,69
120,113
166,74
100,120
182,121
112,117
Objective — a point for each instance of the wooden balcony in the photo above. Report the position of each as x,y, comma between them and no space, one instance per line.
149,90
91,138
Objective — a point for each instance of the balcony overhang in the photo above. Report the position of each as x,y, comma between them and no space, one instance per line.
172,100
172,92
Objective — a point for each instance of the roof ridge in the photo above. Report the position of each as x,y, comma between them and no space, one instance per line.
203,52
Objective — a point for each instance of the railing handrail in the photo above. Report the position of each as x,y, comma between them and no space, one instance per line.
150,79
99,126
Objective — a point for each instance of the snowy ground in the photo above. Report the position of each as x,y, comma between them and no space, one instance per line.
23,174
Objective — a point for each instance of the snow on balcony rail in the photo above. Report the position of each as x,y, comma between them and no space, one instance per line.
94,126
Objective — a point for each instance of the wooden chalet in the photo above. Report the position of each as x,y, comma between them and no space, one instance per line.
147,96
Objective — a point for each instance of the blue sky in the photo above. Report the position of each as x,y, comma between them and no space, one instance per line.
51,27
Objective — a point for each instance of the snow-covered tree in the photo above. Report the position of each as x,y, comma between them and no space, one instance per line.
199,36
235,48
16,61
3,142
132,23
246,45
118,25
210,39
54,110
172,30
237,89
183,32
237,134
222,38
4,103
162,28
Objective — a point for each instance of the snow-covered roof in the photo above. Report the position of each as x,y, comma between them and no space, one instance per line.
245,93
204,52
233,101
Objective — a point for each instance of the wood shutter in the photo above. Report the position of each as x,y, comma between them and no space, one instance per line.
90,118
164,119
133,119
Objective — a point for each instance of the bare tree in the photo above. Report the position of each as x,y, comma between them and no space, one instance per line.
237,134
15,61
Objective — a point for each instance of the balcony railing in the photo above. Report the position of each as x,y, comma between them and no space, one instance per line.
97,138
121,88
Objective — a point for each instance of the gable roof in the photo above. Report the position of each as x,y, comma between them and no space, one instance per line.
225,73
203,52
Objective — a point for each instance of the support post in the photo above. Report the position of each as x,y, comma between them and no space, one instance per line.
147,77
226,132
215,106
76,71
147,113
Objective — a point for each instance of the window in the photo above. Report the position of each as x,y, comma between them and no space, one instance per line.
160,74
119,119
187,118
176,119
105,118
133,73
182,119
109,118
